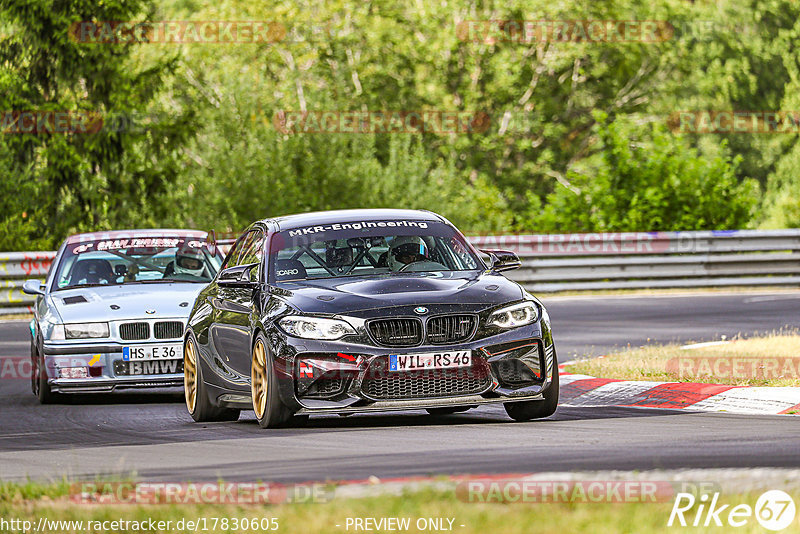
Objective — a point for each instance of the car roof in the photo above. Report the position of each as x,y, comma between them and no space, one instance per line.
300,220
132,234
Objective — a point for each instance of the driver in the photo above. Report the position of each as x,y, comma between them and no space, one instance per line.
189,261
406,250
131,272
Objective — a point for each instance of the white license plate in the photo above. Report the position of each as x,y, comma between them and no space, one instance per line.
142,353
430,360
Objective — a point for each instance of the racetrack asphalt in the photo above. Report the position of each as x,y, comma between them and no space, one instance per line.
151,436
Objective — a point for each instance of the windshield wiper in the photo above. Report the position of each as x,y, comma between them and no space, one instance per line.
78,286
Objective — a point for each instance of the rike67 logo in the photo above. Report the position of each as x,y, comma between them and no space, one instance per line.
774,510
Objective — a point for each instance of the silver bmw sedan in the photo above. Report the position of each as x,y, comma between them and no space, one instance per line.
113,310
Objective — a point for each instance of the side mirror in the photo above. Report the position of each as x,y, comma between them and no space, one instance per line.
503,260
33,287
239,276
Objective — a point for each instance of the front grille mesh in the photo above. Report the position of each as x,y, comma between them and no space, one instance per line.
396,332
325,387
450,328
382,384
407,332
133,331
168,329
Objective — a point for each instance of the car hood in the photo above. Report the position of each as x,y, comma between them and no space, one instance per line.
466,291
133,301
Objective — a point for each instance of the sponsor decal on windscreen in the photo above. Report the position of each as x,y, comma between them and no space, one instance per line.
357,226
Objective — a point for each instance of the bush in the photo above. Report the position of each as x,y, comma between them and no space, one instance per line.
644,178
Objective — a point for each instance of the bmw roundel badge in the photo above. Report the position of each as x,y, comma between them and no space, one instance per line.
421,310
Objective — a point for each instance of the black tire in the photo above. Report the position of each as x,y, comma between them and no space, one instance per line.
447,411
527,410
39,384
270,410
200,407
34,369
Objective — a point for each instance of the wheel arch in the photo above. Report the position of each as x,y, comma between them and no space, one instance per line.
284,366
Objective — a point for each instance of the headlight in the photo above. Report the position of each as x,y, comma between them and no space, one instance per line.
514,316
315,327
85,330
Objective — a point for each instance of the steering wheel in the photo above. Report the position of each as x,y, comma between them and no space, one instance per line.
407,265
429,265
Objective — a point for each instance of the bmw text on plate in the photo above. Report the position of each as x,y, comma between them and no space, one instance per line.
365,311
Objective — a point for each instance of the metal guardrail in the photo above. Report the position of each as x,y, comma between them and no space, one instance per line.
560,262
641,260
15,268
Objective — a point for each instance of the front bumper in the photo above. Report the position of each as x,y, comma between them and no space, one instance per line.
509,367
100,362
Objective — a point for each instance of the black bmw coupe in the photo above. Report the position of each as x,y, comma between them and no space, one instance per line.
365,311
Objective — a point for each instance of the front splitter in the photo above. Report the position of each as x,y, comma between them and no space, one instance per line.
418,404
99,385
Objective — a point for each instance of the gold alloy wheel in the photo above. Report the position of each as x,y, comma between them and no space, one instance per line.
190,375
258,377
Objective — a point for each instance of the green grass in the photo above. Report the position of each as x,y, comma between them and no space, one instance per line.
13,492
653,362
16,316
32,501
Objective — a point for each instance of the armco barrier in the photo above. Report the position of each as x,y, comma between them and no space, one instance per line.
15,268
653,259
559,262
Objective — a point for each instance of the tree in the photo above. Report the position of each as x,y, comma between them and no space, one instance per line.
642,179
111,174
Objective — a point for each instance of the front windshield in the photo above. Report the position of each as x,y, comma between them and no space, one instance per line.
367,249
137,260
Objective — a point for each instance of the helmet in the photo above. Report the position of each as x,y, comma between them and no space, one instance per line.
189,261
405,250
